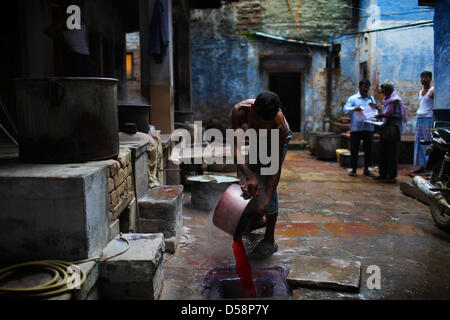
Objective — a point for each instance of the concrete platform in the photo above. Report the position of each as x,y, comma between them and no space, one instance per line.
160,211
325,273
53,211
138,273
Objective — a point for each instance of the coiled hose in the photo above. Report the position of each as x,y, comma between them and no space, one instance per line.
61,272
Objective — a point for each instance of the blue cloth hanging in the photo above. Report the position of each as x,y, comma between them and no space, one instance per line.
158,35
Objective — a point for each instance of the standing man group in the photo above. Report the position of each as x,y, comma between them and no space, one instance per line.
424,121
359,129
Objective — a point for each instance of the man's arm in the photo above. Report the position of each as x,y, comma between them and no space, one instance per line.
349,106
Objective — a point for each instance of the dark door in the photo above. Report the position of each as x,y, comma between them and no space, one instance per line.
287,86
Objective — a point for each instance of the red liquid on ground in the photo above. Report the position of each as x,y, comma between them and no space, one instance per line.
244,269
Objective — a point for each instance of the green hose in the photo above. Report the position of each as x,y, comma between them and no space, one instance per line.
58,285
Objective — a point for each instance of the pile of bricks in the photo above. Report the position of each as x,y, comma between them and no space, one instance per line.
120,184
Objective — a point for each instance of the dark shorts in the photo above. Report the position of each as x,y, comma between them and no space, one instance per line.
263,180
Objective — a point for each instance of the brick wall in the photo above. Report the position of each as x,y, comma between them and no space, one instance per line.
120,184
297,19
248,15
308,19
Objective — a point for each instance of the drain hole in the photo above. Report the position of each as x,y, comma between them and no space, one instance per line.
225,284
232,289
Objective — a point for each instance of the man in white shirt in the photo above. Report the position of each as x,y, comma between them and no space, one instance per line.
359,129
424,121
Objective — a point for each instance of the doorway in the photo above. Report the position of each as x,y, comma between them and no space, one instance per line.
288,86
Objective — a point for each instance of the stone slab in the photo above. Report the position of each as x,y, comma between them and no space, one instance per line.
314,294
138,273
161,203
324,273
91,269
160,211
172,234
53,211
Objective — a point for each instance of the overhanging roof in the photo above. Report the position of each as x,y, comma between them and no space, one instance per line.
304,42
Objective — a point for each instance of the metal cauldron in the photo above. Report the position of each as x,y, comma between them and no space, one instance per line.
206,190
233,213
67,120
135,113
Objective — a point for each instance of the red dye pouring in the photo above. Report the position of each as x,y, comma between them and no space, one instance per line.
244,269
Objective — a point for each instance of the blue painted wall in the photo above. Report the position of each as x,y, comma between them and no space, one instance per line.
442,54
227,70
224,72
226,62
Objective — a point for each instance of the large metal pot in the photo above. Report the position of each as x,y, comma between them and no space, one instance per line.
67,120
234,213
135,113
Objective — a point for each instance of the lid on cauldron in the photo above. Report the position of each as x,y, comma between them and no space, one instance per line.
211,178
130,128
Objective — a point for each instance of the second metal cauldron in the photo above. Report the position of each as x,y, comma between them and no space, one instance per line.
67,120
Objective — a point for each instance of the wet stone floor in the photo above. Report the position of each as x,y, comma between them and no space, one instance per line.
325,213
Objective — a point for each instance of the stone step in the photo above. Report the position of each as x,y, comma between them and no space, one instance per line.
160,211
136,274
324,273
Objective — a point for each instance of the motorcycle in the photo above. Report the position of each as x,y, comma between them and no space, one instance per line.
438,188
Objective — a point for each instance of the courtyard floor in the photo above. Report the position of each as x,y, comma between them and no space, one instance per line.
325,213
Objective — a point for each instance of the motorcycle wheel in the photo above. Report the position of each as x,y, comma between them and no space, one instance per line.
440,216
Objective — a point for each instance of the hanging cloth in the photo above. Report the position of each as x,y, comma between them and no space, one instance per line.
158,34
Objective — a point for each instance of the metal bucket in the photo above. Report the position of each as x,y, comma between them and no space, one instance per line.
230,210
135,113
313,143
327,143
67,120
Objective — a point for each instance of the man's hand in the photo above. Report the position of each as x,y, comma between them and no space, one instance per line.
373,106
251,187
357,109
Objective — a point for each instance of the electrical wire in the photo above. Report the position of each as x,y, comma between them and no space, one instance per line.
61,272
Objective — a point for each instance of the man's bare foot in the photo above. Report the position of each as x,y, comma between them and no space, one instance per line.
264,249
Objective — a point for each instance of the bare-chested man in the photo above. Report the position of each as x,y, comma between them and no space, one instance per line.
264,112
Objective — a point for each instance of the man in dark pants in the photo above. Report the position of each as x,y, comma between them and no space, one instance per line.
394,110
359,130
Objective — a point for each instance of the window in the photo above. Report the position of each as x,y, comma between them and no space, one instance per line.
130,65
363,71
